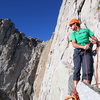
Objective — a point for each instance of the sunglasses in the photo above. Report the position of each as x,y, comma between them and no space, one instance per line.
72,24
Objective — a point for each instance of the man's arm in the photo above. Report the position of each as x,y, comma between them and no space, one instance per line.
94,40
75,45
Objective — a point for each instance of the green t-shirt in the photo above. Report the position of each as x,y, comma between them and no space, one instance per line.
81,36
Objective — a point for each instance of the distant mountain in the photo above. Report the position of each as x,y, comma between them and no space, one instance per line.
19,58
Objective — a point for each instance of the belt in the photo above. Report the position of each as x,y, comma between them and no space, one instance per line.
83,43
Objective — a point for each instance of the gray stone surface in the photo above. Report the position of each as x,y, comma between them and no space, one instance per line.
87,92
59,65
27,73
19,58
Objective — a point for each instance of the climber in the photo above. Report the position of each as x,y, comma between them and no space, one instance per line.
80,39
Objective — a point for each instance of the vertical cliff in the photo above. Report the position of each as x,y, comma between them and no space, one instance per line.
19,58
31,69
59,65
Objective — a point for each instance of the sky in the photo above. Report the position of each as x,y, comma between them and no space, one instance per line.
35,18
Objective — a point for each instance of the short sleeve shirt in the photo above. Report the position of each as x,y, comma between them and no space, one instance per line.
81,36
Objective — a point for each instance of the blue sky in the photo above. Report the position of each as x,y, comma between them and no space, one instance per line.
35,18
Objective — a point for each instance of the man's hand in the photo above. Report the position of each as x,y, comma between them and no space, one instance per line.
86,47
93,41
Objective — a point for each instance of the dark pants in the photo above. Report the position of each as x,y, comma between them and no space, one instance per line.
83,58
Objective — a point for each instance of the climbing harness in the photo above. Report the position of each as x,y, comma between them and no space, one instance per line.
97,68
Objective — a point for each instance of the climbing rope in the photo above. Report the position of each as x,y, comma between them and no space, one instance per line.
86,64
96,84
71,97
74,96
97,68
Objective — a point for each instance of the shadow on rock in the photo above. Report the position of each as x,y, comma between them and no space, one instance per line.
70,85
3,96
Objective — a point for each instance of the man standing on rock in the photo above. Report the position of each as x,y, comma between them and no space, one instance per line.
82,52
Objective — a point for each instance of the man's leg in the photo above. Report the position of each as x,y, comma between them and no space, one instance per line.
87,67
75,83
87,81
77,66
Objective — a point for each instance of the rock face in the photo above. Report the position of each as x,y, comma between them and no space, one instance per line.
59,64
88,92
19,58
29,72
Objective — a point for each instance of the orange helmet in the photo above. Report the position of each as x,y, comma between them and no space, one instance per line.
74,20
